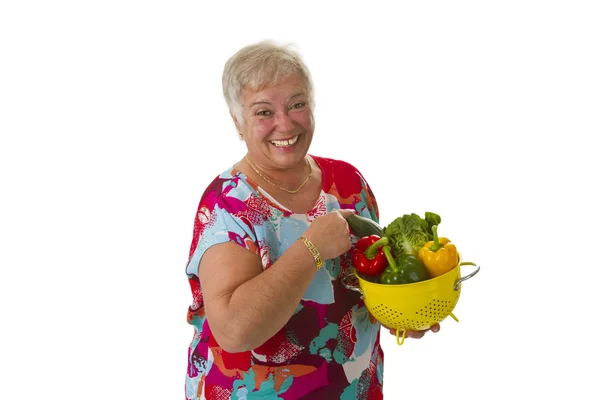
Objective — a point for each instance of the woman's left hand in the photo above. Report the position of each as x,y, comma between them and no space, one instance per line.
416,334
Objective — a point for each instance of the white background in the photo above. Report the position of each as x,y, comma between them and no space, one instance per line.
113,122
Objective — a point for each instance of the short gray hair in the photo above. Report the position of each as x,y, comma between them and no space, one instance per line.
259,65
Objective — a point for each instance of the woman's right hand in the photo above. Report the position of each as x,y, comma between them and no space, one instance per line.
330,233
415,334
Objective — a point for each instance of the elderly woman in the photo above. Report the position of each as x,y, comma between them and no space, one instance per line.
269,247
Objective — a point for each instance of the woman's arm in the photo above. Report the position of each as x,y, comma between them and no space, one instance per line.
246,306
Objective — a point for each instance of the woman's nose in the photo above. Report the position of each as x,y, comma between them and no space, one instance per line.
285,122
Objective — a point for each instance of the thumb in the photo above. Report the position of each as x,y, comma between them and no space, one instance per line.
346,212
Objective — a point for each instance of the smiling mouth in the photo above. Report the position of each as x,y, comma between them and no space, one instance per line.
285,143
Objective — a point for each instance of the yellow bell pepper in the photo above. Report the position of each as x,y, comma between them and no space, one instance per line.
438,255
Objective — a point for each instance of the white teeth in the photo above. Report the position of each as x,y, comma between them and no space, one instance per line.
283,143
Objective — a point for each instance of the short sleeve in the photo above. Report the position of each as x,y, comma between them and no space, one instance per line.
215,226
369,198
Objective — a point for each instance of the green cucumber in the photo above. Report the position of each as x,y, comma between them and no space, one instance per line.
362,226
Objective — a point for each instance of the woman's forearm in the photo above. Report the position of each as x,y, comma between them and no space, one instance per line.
260,307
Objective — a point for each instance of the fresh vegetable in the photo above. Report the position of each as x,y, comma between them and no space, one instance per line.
404,240
368,257
439,255
408,233
431,220
362,226
406,268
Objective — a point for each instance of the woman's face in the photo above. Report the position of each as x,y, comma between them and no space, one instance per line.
278,123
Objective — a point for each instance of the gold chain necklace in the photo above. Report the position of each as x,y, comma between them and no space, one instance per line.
274,184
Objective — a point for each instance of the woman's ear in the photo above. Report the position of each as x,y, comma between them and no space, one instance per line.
237,125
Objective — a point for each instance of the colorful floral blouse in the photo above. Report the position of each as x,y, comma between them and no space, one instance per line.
330,347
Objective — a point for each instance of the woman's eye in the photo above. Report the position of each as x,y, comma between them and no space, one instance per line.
300,104
264,113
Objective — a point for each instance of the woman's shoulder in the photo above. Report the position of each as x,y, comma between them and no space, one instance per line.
328,164
335,170
341,177
219,182
230,183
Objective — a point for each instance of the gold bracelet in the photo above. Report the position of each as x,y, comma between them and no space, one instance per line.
313,250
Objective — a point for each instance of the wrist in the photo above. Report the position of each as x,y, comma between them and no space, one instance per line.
313,251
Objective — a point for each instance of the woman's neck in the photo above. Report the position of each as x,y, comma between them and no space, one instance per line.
290,180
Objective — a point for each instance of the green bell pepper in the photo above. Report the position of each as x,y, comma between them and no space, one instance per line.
405,269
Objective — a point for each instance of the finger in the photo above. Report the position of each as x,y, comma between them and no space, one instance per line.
415,334
435,328
409,334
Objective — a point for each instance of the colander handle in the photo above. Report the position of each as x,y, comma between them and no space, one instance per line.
350,286
464,278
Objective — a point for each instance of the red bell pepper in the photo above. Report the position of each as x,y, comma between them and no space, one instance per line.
368,257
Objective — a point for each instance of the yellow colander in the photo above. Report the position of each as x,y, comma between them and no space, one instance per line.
412,306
